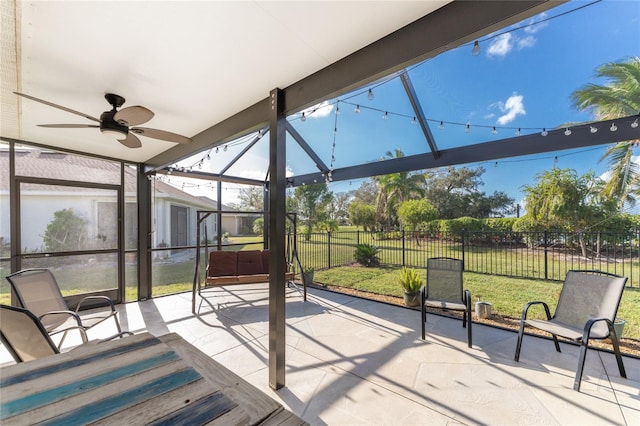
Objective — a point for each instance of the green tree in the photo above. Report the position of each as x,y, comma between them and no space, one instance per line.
66,232
339,207
395,188
560,199
311,201
366,193
361,214
251,198
414,212
258,226
619,97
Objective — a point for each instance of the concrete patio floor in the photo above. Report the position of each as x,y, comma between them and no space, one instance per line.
352,361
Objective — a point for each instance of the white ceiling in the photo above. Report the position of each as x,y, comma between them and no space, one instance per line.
192,63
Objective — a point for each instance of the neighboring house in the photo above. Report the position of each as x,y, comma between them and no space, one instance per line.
174,221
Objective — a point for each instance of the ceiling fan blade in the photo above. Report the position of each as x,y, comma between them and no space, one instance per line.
68,126
133,115
58,106
161,134
131,141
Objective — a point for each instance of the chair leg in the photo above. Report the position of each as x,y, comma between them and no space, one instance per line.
616,350
555,342
423,315
469,336
516,358
581,359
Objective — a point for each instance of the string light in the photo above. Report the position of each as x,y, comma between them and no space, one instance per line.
544,132
304,117
370,95
217,149
337,110
441,126
567,132
414,121
593,129
225,148
634,125
385,116
357,110
476,48
613,127
518,132
467,128
494,131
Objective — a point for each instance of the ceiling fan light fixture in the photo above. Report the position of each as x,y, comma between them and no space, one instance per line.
113,133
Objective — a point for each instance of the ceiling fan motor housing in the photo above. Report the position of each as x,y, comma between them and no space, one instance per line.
107,123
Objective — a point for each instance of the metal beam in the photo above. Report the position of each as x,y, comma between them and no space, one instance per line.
417,109
197,174
306,148
277,218
555,140
255,140
452,25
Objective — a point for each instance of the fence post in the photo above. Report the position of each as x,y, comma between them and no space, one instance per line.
328,249
463,253
403,246
546,252
357,236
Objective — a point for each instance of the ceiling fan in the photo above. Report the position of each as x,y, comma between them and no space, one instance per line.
117,123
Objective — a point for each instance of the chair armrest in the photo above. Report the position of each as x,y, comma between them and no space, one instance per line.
590,323
70,313
525,310
105,298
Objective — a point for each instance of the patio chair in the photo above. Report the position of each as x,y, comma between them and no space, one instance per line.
444,290
586,310
25,337
37,290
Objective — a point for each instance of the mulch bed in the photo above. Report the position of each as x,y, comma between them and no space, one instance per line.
628,346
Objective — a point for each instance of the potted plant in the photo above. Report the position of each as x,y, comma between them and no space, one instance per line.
307,275
618,325
411,282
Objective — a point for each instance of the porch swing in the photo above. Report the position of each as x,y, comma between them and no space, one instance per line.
226,268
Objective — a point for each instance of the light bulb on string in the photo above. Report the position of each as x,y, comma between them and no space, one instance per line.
567,132
494,131
476,48
370,95
467,128
225,148
441,126
385,116
593,129
518,132
337,110
613,127
414,121
634,125
304,117
357,110
544,132
217,149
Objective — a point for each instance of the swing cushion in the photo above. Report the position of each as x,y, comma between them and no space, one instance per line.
240,267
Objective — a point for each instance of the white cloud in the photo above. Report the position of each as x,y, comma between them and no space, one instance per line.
535,25
512,108
500,45
528,41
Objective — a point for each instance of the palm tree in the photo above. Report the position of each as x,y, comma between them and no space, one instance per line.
620,97
395,188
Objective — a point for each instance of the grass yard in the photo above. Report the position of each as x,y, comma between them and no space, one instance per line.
507,295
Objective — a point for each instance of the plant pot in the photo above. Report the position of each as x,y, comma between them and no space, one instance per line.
483,310
307,277
618,326
412,299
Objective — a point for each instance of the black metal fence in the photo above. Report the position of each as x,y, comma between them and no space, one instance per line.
542,255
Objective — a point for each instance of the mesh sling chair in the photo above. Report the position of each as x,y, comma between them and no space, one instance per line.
37,290
586,310
25,337
444,290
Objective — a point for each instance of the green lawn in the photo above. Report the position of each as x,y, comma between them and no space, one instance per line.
507,295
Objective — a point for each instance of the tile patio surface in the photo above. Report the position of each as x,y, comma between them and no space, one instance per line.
351,361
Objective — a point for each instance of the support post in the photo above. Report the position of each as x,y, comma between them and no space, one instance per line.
144,234
277,263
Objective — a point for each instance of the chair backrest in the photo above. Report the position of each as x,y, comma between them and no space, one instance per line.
444,279
23,334
590,294
37,290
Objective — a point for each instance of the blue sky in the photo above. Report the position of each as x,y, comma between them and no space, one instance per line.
522,78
